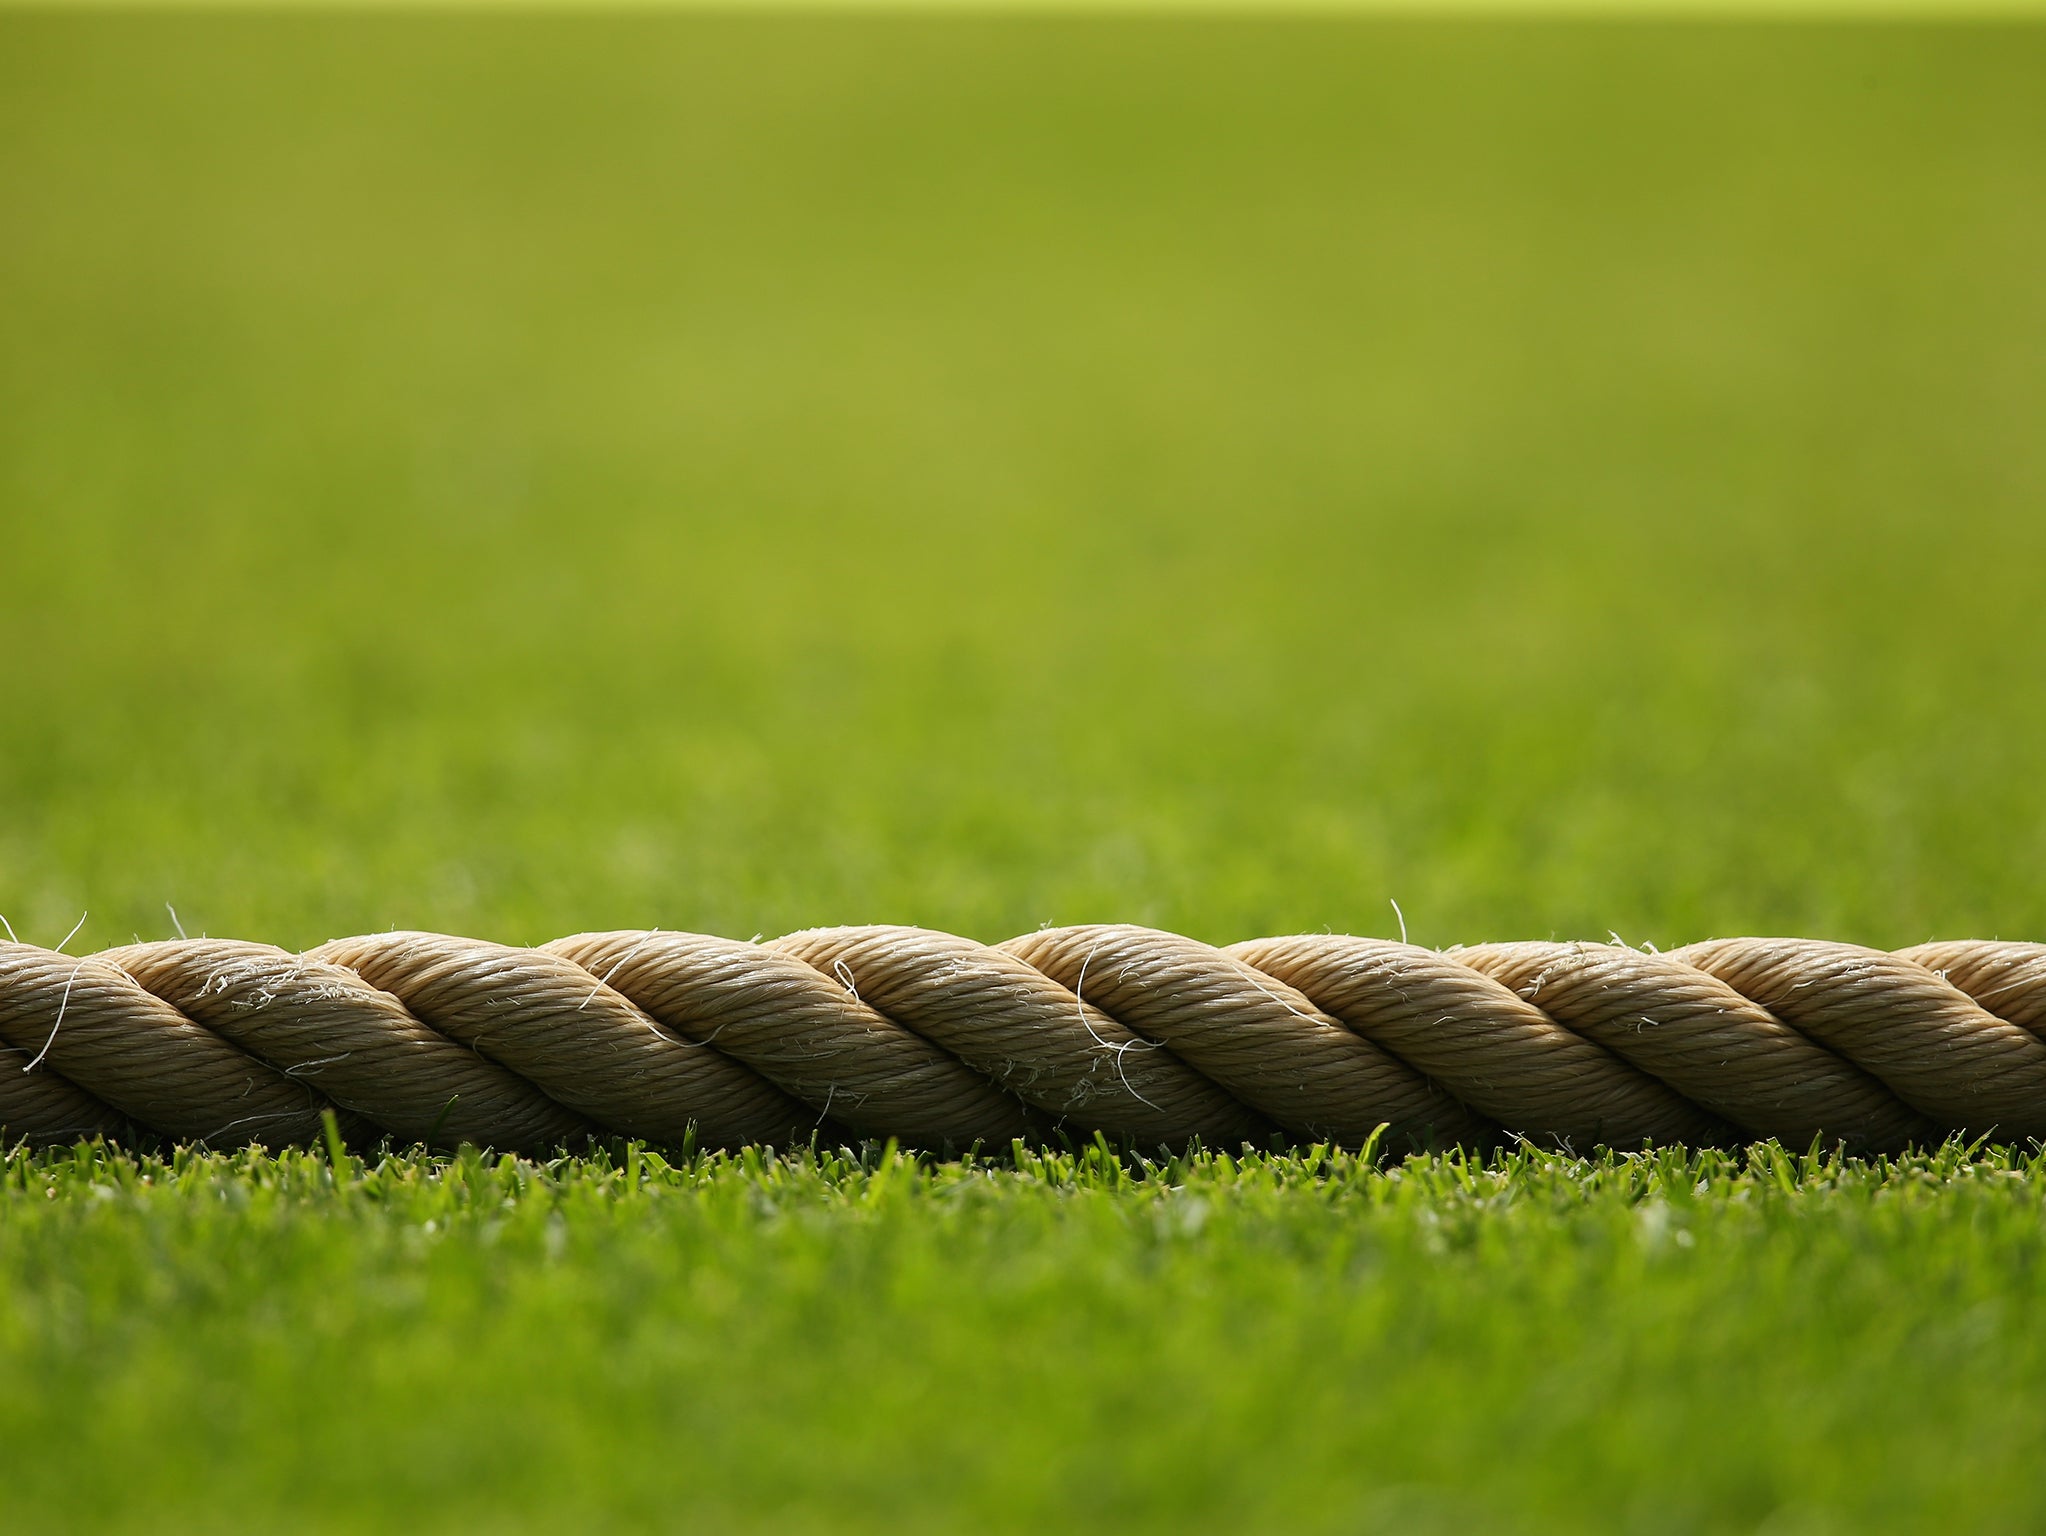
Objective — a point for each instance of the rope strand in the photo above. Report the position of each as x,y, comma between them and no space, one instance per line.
938,1041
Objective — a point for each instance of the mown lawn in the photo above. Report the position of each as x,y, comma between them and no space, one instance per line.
534,474
524,475
1294,1343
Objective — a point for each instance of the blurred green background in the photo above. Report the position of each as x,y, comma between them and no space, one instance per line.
728,473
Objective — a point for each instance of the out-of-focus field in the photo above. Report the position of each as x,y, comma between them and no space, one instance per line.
533,475
539,474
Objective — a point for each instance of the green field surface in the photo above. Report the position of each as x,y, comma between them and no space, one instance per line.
524,475
1301,1344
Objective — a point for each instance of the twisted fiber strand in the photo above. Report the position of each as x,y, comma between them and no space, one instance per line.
939,1041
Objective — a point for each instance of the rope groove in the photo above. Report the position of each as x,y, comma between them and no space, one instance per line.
943,1042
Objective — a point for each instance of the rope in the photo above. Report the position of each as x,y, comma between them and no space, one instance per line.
1146,1037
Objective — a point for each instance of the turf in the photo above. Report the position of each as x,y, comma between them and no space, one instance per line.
524,475
1287,1344
1300,1344
515,477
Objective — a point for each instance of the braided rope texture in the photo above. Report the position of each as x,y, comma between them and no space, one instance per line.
1153,1040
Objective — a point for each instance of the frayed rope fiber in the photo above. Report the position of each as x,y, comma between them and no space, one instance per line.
1154,1040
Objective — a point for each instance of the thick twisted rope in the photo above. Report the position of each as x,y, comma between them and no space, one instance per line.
1146,1037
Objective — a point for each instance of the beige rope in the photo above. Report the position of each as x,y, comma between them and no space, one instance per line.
941,1042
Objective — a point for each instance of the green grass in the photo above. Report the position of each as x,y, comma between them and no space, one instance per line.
1298,1343
538,474
524,477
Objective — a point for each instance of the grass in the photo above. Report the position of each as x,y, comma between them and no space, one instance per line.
543,473
1300,1343
525,476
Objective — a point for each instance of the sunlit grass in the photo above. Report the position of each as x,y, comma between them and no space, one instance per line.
738,475
867,1342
